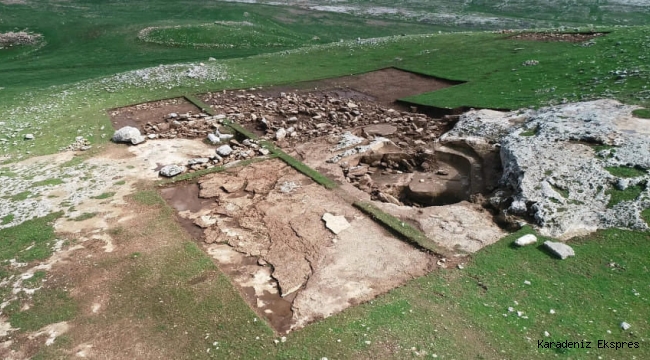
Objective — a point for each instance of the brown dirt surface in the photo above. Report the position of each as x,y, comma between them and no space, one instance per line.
276,220
561,37
140,114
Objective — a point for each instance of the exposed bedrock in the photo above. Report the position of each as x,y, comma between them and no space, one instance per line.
571,169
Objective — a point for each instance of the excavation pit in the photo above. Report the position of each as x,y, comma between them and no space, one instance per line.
263,225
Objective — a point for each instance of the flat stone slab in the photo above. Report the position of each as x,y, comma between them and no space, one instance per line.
336,224
380,130
560,250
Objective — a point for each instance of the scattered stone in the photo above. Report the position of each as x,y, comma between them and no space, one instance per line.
527,239
530,63
625,325
196,161
336,224
226,137
29,136
224,150
233,185
561,250
280,134
264,151
213,139
125,134
171,170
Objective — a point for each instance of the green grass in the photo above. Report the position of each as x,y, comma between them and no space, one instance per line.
625,172
120,183
147,197
618,196
6,172
7,219
405,230
232,35
102,196
36,280
36,234
48,306
642,113
85,216
47,182
529,132
23,195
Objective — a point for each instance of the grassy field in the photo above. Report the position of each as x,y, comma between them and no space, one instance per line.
498,306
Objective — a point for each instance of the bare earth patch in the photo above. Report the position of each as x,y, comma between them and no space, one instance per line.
273,214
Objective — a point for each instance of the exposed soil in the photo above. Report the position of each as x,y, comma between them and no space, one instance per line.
262,223
295,270
138,115
561,37
384,86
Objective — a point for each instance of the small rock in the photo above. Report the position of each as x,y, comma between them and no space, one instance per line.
263,151
625,325
172,115
213,139
526,240
526,282
125,134
280,134
171,170
622,184
226,137
224,150
197,161
561,250
29,136
336,224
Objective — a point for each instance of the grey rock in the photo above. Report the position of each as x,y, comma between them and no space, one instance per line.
553,173
226,137
138,139
280,134
213,139
559,249
125,134
196,161
29,136
171,170
224,150
622,184
527,239
263,151
172,115
625,326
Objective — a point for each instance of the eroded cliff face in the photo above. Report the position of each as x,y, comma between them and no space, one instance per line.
570,169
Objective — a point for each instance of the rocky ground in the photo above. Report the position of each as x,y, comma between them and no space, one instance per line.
566,166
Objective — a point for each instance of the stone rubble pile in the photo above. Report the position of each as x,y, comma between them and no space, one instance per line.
299,117
230,151
79,144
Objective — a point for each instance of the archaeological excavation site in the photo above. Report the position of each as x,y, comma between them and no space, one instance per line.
317,196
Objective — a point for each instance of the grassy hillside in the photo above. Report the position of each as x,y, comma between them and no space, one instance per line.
491,14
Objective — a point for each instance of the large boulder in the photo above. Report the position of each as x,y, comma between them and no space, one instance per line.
126,135
557,163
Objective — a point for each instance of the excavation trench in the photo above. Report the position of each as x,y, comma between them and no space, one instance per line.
263,223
